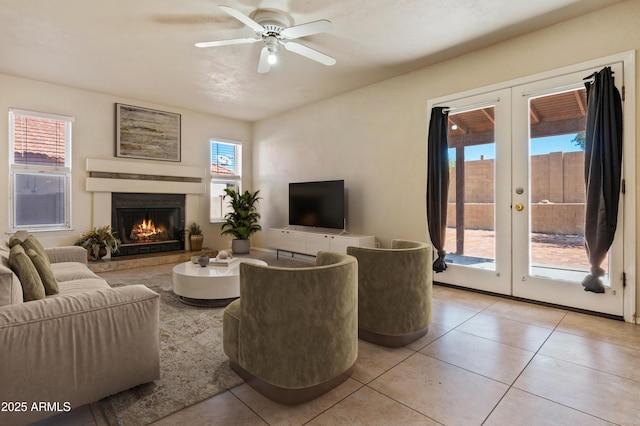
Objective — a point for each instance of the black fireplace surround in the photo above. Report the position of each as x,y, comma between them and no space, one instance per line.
148,223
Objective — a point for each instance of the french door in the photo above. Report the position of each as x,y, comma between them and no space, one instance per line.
549,258
516,198
478,239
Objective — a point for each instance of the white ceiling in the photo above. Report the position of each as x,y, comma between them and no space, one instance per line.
144,49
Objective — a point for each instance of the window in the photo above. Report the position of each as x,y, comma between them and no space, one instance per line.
226,161
40,170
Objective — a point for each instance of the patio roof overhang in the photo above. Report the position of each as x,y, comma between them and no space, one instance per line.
552,115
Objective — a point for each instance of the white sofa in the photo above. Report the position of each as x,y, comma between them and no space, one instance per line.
87,342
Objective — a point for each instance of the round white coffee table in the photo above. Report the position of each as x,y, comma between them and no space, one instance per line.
209,286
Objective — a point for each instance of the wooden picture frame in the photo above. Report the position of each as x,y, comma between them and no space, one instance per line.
147,134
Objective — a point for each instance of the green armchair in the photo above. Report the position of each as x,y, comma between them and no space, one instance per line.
293,334
394,292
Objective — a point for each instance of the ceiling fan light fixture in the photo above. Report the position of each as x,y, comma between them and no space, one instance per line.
272,47
274,28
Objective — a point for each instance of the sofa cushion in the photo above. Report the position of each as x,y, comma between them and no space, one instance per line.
44,270
69,271
21,264
67,254
4,252
10,288
80,286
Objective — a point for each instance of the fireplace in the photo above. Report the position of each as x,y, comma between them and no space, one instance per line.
148,223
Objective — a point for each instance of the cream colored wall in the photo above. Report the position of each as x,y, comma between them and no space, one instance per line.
375,137
94,137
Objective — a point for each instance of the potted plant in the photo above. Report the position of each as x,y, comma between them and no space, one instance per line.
243,220
97,241
195,236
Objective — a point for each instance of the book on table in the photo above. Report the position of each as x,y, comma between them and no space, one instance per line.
223,262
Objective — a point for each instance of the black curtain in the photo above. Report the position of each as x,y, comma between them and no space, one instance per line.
602,171
438,182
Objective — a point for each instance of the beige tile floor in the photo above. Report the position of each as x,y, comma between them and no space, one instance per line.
485,361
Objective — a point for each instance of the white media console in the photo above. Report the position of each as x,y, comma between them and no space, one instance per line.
310,242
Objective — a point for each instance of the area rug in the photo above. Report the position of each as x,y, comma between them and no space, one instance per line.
193,366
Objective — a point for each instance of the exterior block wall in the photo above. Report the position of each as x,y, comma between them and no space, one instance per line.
566,218
556,191
557,177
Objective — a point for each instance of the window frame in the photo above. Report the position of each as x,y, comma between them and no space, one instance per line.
16,169
234,180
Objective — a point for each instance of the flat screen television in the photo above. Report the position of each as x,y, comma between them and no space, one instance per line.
318,204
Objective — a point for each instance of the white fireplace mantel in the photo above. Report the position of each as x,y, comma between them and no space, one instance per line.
109,176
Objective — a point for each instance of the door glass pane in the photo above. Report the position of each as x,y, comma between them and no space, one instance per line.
470,239
557,192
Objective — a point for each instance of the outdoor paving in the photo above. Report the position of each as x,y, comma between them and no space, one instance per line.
546,249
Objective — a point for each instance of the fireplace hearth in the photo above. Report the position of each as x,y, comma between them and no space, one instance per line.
148,223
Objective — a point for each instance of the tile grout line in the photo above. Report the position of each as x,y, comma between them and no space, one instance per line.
244,403
511,386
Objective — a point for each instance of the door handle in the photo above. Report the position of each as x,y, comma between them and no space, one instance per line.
519,207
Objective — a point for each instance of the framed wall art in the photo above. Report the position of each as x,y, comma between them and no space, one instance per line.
147,133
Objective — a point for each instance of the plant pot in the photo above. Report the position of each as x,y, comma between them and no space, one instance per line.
195,242
241,246
96,252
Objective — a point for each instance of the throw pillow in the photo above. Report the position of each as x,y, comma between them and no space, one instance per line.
32,287
32,242
46,274
28,241
18,238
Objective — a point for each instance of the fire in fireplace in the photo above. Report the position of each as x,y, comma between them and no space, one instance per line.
147,232
148,223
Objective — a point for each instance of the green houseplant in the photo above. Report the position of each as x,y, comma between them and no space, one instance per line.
97,240
195,236
242,221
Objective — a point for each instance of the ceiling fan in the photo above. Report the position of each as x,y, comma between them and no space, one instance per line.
274,28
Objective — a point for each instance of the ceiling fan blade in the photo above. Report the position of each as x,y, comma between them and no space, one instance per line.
227,42
243,18
264,66
310,28
309,53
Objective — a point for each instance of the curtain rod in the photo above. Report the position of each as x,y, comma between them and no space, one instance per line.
470,107
593,75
